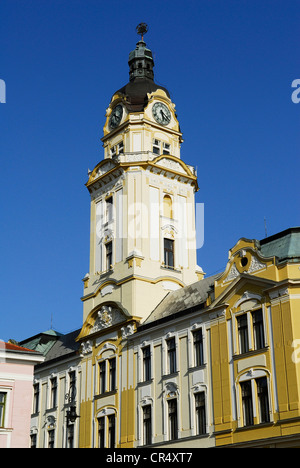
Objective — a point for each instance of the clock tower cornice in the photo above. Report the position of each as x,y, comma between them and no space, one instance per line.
109,171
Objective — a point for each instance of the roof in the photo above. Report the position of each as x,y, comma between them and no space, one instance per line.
136,93
42,342
64,346
14,347
285,245
141,79
182,299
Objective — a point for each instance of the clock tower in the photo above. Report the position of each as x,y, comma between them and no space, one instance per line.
142,239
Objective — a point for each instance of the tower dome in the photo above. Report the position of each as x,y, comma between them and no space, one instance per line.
141,75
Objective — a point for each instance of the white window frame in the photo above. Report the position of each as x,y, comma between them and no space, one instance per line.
251,375
105,413
195,327
167,337
146,401
7,391
142,346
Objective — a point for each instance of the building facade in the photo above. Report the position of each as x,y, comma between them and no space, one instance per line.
166,357
216,362
56,391
255,368
16,379
142,245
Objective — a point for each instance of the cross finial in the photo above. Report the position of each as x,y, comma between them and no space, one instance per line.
141,29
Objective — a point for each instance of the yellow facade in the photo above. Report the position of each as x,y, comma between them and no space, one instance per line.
254,361
107,393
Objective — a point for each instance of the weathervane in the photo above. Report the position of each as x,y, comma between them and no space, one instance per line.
141,29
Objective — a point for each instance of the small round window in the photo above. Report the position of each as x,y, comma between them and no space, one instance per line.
244,261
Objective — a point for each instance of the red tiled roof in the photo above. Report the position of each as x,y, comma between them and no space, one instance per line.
13,347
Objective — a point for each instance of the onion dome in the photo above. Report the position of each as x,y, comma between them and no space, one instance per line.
141,75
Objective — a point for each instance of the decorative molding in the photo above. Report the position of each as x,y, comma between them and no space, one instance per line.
171,389
86,348
103,320
173,165
255,265
233,273
127,330
107,290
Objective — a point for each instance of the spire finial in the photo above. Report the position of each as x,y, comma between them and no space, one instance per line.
141,29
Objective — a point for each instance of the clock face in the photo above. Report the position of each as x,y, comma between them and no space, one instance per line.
116,116
161,113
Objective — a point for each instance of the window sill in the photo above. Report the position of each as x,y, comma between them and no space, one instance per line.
50,410
145,382
195,368
105,394
255,426
166,267
171,375
105,272
251,352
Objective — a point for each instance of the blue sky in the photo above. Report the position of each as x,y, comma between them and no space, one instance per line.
228,65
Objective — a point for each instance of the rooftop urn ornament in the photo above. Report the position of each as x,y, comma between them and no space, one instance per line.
141,29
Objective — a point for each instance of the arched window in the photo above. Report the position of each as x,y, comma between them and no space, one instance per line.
254,397
107,428
167,206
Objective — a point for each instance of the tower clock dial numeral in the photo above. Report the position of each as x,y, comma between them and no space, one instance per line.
161,113
116,116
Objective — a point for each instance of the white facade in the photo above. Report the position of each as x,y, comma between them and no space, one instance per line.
176,391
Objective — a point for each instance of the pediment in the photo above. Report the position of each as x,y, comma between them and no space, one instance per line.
171,164
103,318
174,164
237,288
104,167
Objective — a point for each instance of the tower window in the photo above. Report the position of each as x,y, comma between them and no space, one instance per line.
169,253
156,146
159,147
166,148
120,147
109,209
117,149
167,206
108,255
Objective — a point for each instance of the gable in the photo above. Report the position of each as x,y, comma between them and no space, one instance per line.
103,318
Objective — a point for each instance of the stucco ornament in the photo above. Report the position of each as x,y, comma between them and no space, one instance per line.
104,319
